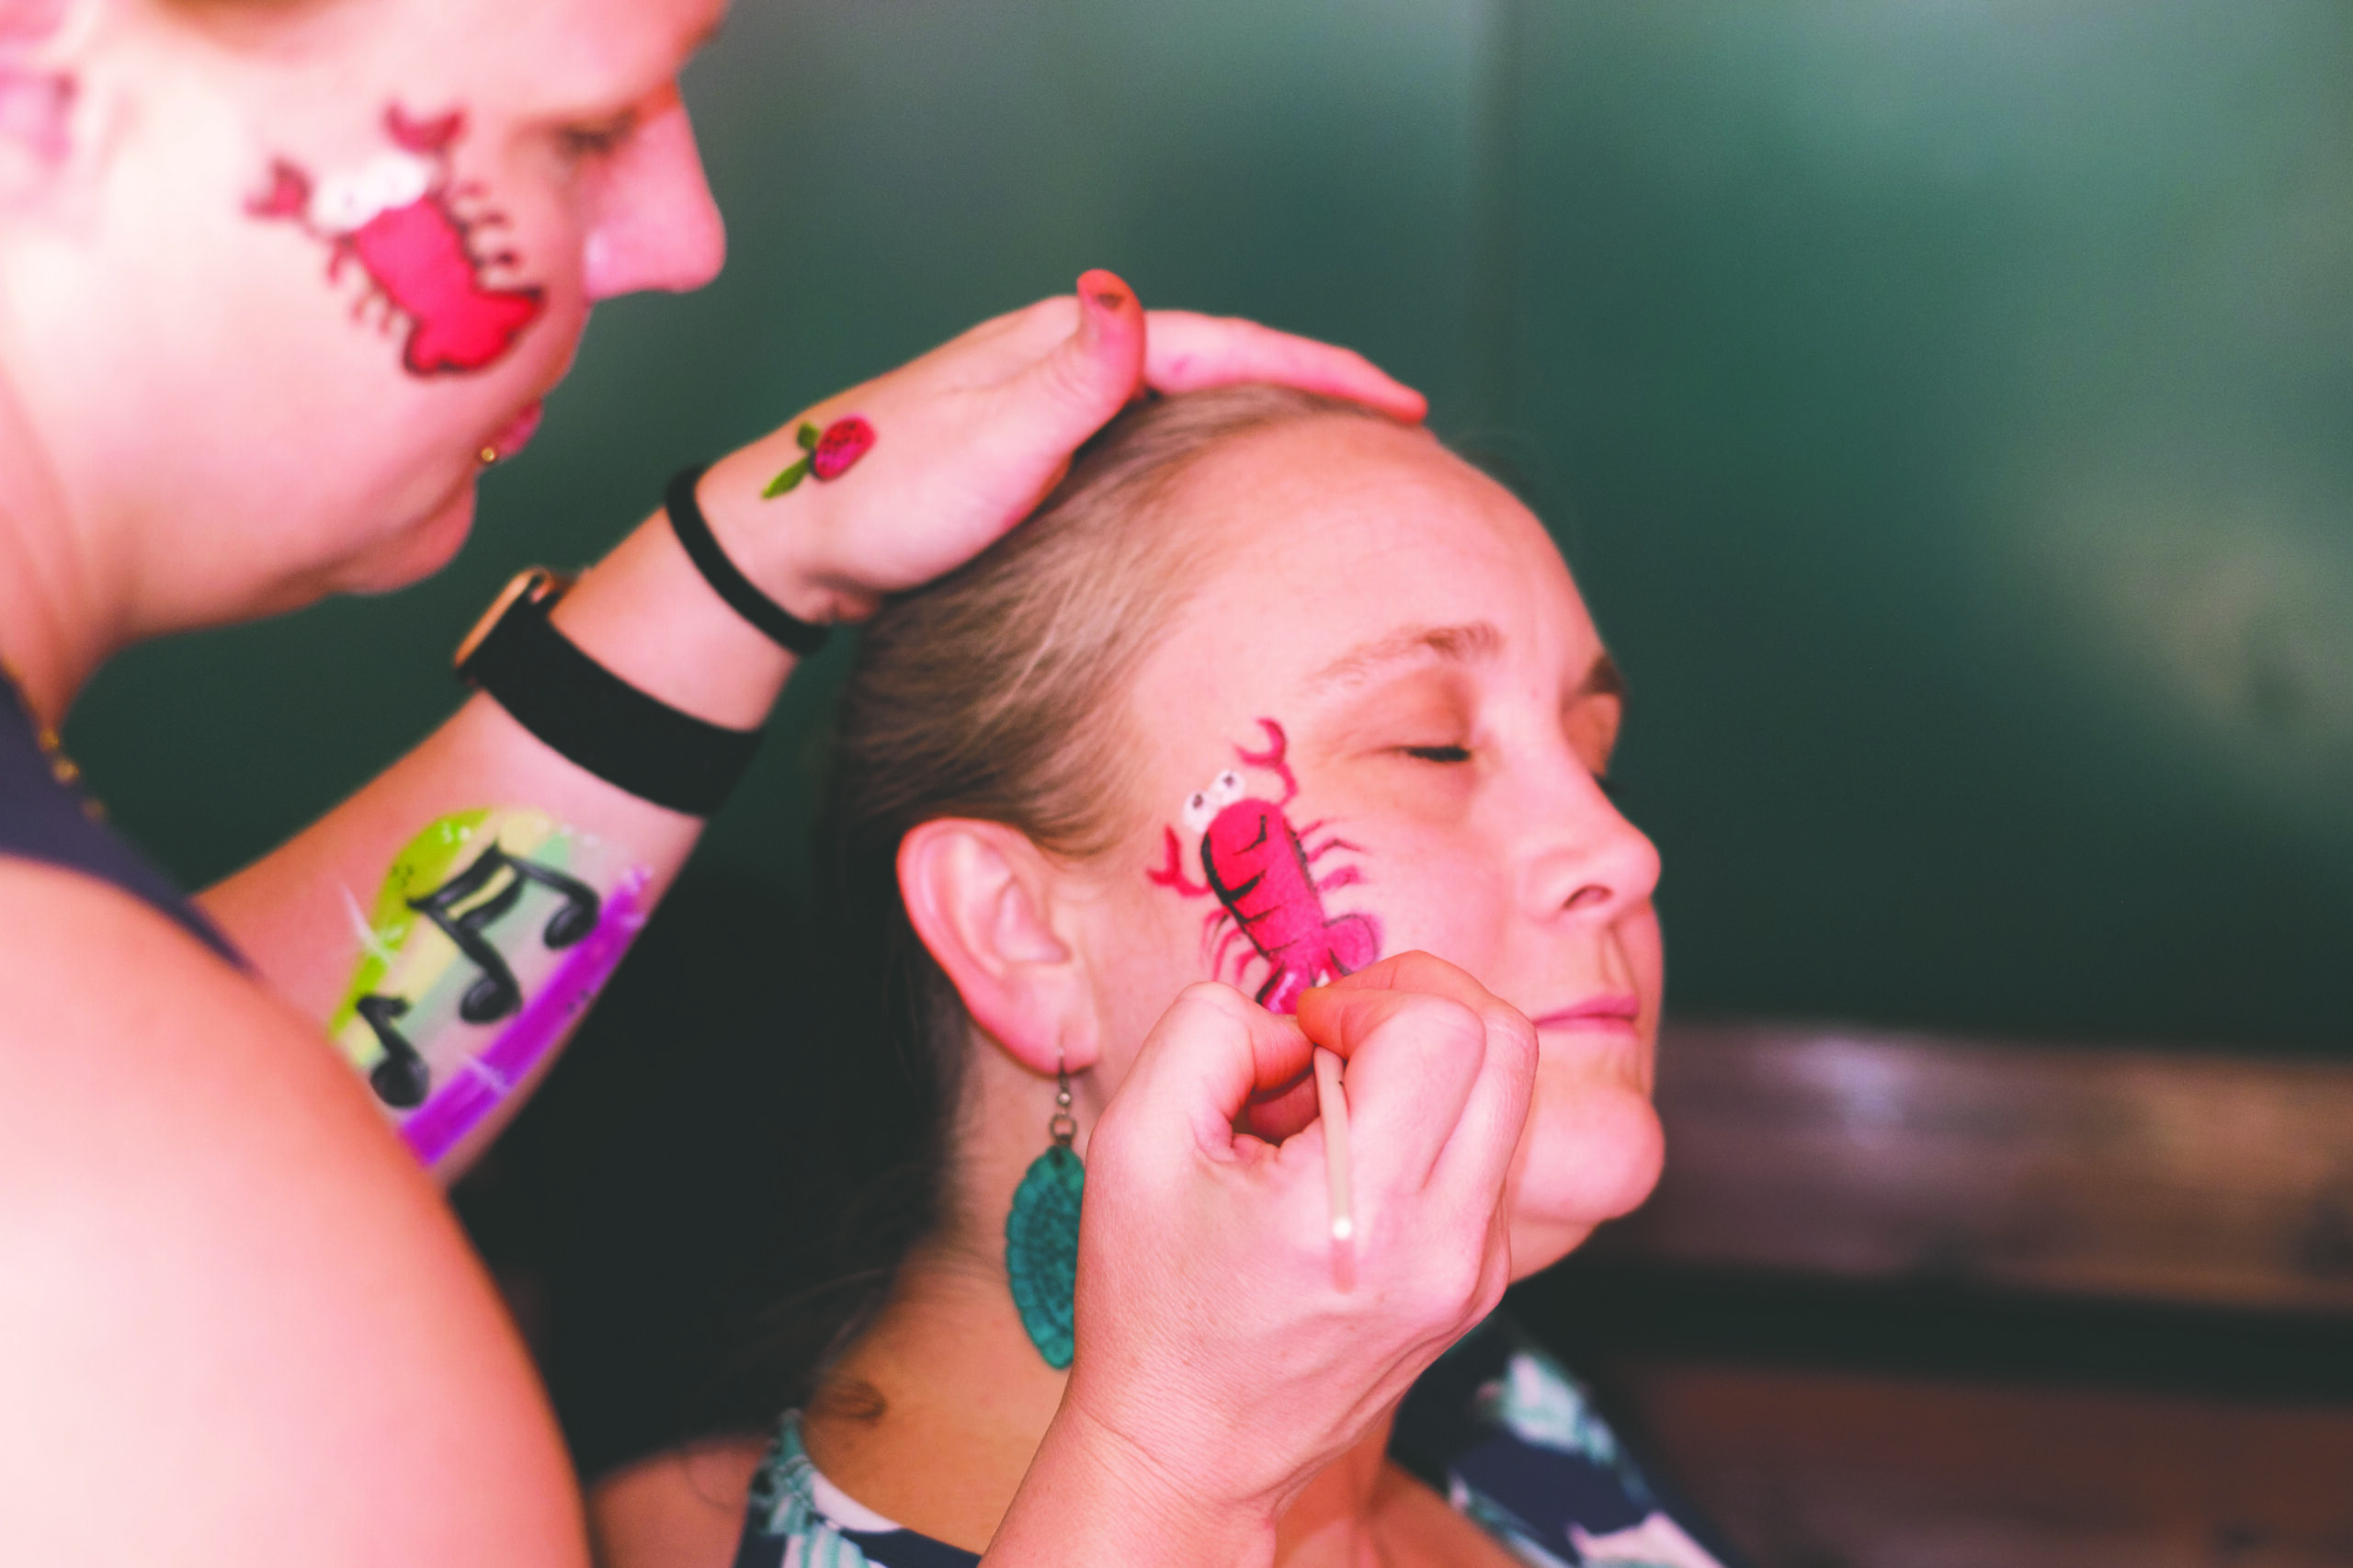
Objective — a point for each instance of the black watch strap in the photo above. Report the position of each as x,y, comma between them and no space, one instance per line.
600,721
784,629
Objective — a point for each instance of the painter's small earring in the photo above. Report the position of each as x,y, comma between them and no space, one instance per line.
1041,1235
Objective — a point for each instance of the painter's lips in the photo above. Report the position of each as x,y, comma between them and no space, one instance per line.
519,431
1597,1012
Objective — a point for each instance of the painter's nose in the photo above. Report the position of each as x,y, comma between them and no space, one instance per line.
660,227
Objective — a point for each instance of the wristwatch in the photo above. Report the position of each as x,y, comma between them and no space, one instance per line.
589,715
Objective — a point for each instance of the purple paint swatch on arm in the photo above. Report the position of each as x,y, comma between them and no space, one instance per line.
485,1082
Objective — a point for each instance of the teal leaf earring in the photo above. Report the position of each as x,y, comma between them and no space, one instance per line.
1041,1235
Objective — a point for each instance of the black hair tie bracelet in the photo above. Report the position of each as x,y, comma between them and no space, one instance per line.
786,630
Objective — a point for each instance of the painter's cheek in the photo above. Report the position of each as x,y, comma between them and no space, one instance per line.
427,254
545,355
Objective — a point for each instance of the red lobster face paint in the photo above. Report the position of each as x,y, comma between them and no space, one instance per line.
397,216
1262,872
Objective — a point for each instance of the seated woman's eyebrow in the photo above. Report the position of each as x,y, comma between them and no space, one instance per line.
1465,644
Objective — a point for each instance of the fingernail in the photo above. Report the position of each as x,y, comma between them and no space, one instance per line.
1101,297
1096,310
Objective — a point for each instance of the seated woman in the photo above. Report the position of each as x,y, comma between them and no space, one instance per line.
1268,688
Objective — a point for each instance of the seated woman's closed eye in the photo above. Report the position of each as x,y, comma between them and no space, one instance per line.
1271,688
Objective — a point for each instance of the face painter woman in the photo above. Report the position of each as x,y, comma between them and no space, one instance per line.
278,277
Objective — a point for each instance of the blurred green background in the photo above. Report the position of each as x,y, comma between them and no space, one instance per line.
1944,404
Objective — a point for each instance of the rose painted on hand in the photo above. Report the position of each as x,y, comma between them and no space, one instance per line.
826,456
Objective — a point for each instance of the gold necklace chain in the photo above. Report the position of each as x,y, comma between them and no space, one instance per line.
61,767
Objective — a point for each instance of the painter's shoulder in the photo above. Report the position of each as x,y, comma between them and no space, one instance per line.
215,1249
92,971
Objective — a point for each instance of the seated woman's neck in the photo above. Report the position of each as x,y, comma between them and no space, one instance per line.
932,1416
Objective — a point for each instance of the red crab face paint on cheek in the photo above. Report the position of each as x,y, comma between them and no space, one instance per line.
413,233
1262,871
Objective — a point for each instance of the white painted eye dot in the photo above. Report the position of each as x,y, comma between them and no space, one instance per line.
339,204
1200,812
345,200
395,179
1202,806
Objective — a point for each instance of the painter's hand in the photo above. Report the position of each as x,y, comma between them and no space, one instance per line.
1218,1343
892,483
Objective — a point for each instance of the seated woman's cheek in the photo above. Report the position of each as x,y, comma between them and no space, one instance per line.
1262,875
1592,1152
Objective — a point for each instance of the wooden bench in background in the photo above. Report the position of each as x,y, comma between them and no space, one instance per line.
1914,1303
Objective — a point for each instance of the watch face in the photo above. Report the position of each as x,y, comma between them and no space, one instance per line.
530,584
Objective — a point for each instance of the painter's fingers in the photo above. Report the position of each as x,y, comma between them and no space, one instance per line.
1495,1113
958,448
1479,1153
1200,1065
1186,351
1412,1060
1417,970
1276,1115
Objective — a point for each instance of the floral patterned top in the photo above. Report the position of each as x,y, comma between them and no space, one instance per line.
1497,1427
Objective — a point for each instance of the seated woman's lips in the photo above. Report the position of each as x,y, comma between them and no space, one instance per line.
1619,1011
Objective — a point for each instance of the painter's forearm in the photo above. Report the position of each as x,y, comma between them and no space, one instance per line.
482,886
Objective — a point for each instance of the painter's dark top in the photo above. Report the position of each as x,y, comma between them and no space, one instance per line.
45,816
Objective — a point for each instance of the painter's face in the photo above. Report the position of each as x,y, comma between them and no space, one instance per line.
327,266
1391,635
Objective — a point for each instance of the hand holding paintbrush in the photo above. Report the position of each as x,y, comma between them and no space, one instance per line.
1214,1149
1447,1006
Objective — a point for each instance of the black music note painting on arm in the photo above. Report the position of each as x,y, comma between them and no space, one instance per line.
476,917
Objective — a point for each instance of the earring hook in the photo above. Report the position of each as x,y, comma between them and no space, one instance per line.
1062,1127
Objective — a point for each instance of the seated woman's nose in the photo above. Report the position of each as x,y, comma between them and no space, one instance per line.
1600,863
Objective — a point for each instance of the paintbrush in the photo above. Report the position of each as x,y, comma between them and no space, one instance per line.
1332,1102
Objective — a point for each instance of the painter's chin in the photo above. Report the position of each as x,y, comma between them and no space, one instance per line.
417,552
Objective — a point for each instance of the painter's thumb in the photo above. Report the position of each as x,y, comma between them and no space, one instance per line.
1090,375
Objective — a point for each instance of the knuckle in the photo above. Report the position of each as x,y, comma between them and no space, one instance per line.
1052,310
1443,1024
1108,1140
1075,379
1450,1283
1495,1278
1512,1036
1182,366
1206,1005
1211,996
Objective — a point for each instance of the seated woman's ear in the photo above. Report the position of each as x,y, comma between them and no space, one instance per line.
985,900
